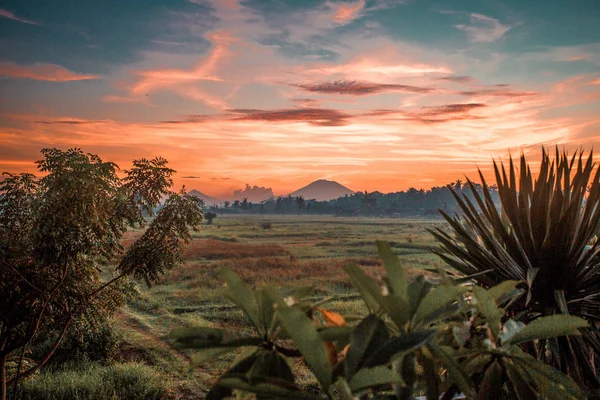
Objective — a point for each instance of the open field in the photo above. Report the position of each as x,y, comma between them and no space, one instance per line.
294,251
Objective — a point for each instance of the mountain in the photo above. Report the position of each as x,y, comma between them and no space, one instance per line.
208,201
322,190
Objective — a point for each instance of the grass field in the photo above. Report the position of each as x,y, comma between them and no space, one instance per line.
294,251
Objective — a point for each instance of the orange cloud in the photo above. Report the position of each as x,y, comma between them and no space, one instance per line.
348,12
42,72
184,81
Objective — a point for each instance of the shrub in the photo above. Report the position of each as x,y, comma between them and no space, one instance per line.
90,381
97,344
442,339
544,237
266,225
210,216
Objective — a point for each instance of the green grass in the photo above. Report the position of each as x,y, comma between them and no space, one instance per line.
296,251
95,382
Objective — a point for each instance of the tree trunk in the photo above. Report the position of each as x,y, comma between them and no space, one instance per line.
3,377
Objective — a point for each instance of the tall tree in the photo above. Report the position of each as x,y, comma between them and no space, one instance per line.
60,237
300,204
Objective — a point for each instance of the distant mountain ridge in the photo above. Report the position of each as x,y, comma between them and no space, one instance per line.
322,190
208,201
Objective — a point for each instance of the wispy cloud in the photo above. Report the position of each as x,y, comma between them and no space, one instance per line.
359,88
41,72
348,12
10,15
312,116
457,79
484,29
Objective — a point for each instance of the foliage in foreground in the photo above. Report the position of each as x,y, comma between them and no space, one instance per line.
441,339
544,237
62,265
95,382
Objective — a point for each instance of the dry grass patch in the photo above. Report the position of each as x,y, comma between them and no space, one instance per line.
211,249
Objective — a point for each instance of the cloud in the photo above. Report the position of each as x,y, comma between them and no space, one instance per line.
67,121
496,92
312,116
41,72
348,12
359,88
185,82
191,177
306,102
11,15
431,114
451,109
484,29
369,66
457,79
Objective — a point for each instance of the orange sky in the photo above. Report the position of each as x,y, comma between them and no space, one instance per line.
338,98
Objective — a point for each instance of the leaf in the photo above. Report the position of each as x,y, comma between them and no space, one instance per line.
265,309
435,300
208,354
491,386
502,288
486,303
373,377
519,379
454,370
394,270
551,382
307,340
549,327
268,387
204,337
332,318
365,339
242,296
333,334
218,392
399,345
369,291
271,364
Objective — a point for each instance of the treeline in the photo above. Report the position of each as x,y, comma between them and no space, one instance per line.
410,203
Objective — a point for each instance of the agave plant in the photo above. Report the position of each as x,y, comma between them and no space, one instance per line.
543,235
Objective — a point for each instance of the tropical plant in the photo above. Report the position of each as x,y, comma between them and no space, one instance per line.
544,237
226,204
417,337
62,264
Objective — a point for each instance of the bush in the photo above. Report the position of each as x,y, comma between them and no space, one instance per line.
442,339
98,344
266,225
90,381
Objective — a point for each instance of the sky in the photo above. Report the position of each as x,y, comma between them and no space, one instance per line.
375,94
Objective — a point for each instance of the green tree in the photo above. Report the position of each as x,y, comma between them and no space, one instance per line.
62,262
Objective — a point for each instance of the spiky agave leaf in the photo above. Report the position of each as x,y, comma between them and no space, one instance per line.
542,235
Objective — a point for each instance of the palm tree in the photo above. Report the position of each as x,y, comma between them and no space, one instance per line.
245,203
300,204
226,204
236,204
